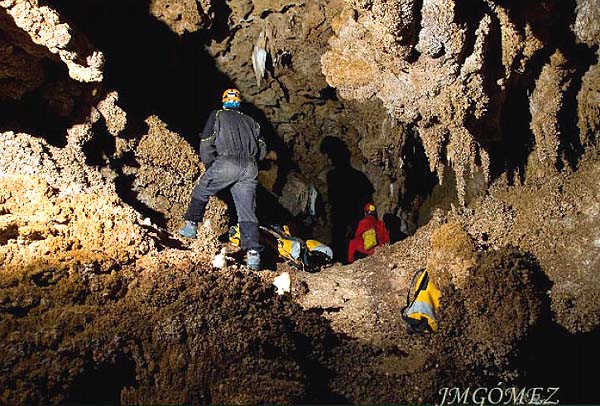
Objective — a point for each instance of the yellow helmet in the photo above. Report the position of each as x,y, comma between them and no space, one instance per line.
231,95
370,208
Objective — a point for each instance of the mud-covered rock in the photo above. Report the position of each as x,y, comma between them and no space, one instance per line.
503,300
189,333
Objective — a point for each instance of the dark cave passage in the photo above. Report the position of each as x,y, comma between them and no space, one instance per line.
154,70
102,384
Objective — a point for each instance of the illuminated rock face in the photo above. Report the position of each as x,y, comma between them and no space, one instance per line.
44,28
182,16
451,79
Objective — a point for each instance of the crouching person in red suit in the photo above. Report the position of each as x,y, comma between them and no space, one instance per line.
370,233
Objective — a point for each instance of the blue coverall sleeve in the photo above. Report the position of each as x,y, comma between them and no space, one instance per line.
208,149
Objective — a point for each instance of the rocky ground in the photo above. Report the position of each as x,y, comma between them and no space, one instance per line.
101,301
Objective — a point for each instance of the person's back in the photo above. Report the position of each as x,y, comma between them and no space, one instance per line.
230,133
230,146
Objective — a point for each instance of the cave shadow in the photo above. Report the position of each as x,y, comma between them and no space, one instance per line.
554,357
100,147
285,164
318,386
394,226
551,356
33,113
268,208
154,70
348,190
511,153
419,180
580,58
552,27
103,384
99,150
571,147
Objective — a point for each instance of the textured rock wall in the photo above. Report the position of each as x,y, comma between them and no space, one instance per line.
450,79
167,172
44,27
183,16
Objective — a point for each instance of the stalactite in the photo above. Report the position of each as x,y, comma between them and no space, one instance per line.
545,104
259,57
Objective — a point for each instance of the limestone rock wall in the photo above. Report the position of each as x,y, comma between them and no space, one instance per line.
451,78
44,28
183,16
167,172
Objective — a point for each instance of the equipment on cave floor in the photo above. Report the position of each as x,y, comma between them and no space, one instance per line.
420,314
307,255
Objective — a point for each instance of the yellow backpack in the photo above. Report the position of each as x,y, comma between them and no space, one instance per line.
420,315
369,239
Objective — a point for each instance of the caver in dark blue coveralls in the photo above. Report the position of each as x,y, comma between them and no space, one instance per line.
230,146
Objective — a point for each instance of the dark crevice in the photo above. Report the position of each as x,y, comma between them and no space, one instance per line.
100,147
419,180
103,384
348,190
485,126
511,153
580,58
416,29
219,29
469,15
578,359
34,114
328,93
319,311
